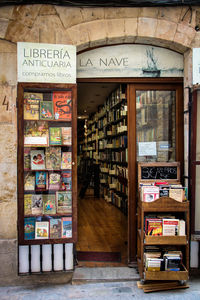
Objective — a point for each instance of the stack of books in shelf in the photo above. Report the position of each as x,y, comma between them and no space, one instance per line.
164,226
47,228
151,192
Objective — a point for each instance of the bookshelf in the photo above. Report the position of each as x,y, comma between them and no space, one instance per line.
106,144
47,184
167,207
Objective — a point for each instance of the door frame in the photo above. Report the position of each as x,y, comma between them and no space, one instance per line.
132,84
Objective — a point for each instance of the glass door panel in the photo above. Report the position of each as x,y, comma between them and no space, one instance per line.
156,125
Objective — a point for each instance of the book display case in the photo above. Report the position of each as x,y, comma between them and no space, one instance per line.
106,144
47,206
156,242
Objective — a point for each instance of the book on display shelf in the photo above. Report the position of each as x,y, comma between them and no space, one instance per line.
62,102
41,181
36,133
54,181
150,193
37,160
29,228
66,162
49,204
27,204
37,204
27,159
41,230
153,227
170,227
64,202
46,110
53,158
66,181
29,182
31,105
66,136
55,136
66,227
55,228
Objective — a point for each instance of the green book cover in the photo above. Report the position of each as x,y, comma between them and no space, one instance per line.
55,136
49,205
46,110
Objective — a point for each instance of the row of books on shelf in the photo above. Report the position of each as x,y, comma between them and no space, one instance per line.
43,181
52,158
115,156
51,228
169,261
48,106
164,226
48,204
39,133
151,192
120,142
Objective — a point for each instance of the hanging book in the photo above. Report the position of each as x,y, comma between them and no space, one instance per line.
54,181
62,102
29,228
55,228
36,133
37,160
66,136
27,159
66,180
53,158
29,182
64,202
37,204
46,110
41,181
66,162
55,136
49,204
66,227
41,230
31,105
27,204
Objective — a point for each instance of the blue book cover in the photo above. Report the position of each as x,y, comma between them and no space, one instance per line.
67,180
29,228
41,180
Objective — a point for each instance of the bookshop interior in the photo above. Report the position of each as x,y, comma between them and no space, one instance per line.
121,146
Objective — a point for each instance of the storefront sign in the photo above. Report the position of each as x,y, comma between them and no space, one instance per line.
129,61
46,63
196,66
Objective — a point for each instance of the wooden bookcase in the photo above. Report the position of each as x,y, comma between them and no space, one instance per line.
48,91
164,205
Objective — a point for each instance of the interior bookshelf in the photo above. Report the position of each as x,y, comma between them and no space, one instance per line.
162,227
105,143
46,164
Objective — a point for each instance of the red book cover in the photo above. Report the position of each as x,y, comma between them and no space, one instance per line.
154,227
62,103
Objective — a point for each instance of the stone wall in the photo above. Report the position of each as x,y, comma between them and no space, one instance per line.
173,28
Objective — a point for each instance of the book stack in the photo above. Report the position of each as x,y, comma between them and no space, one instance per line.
164,226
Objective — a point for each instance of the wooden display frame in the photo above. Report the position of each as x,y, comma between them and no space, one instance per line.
20,162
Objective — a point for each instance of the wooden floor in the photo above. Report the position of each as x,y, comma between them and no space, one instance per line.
101,227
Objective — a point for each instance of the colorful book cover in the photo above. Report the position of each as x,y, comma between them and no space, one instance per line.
36,133
41,230
55,136
37,204
55,228
54,181
66,227
27,159
41,181
62,102
28,204
49,204
37,160
66,136
29,182
31,105
66,162
29,228
53,158
150,193
66,183
46,110
64,202
154,227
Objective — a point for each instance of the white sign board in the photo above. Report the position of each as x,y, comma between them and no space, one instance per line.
196,66
129,61
147,149
46,63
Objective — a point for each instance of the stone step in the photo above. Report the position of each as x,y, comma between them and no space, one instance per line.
104,274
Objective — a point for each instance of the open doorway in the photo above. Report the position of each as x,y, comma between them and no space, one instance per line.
102,175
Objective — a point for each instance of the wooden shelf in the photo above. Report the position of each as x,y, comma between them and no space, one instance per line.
164,204
167,275
165,240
